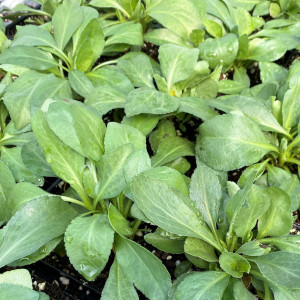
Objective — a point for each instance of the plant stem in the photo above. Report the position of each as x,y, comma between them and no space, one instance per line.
127,208
135,227
293,161
105,64
294,143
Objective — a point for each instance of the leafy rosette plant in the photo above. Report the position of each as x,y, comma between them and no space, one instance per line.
239,237
98,162
73,40
233,26
260,132
174,86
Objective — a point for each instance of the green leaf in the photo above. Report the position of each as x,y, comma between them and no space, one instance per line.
281,267
252,248
257,204
139,70
200,248
180,17
272,72
39,254
117,285
177,63
118,222
278,219
290,243
171,148
257,50
251,108
22,193
120,134
231,87
105,99
145,123
292,188
31,35
213,28
197,107
13,291
109,4
218,136
165,243
149,101
88,242
30,89
84,56
163,36
143,269
291,104
64,161
170,177
124,33
236,202
67,18
80,83
137,162
241,292
19,277
234,264
202,286
35,224
180,164
29,57
219,9
274,10
243,20
7,180
164,129
34,160
93,33
83,129
222,51
12,157
111,172
112,77
205,191
170,210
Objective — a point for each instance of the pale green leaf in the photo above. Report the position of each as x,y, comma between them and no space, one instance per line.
117,286
121,134
143,269
29,57
171,148
218,136
177,63
278,219
88,242
66,19
35,224
139,70
202,286
181,17
205,191
282,268
234,264
149,101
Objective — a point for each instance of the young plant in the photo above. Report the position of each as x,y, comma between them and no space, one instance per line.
75,43
216,228
98,163
256,132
